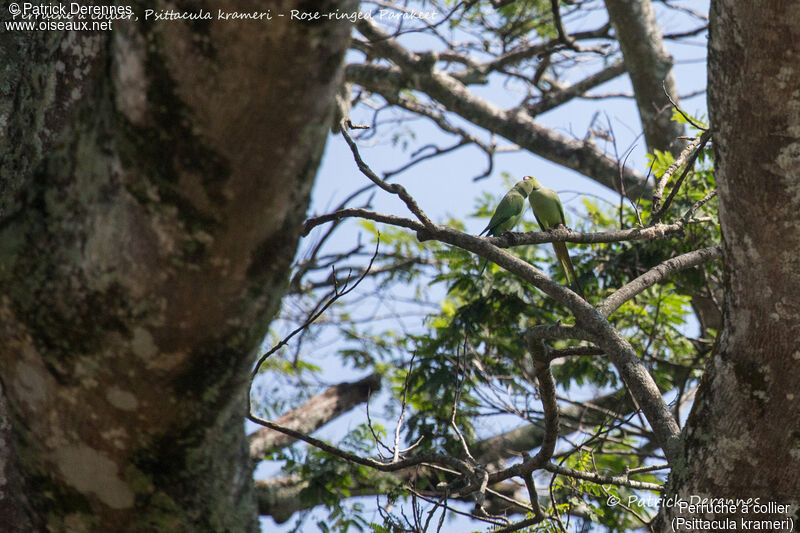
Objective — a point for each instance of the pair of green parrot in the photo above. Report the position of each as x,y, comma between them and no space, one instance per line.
548,212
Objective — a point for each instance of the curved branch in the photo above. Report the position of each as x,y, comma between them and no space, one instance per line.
656,274
394,188
511,239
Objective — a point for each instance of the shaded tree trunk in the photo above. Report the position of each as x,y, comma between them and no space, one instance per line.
742,439
153,182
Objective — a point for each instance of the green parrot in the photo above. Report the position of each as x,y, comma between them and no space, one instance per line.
549,213
509,211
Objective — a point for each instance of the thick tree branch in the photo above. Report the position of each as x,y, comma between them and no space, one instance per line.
649,66
516,126
560,234
313,414
576,90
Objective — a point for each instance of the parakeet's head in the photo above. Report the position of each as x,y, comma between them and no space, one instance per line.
533,181
525,186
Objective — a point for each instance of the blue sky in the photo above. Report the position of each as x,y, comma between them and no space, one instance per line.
443,186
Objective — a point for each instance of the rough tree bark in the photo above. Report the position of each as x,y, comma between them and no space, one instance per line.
154,180
742,439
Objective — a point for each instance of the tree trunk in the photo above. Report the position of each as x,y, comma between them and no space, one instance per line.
742,439
154,180
649,67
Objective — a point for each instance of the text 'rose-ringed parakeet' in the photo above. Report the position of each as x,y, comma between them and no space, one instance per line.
549,214
509,211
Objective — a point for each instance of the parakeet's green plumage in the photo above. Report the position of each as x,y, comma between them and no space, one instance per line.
549,213
509,211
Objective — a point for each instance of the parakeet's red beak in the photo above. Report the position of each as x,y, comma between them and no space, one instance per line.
526,178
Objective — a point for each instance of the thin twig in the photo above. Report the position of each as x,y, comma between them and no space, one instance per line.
396,455
679,110
337,293
394,188
461,368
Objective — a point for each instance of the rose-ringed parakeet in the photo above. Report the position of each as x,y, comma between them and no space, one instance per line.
549,214
509,211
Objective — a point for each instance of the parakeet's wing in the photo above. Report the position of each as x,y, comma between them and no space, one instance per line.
538,220
547,208
539,204
505,216
560,209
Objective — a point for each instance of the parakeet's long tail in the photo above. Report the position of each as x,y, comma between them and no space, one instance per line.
566,265
483,267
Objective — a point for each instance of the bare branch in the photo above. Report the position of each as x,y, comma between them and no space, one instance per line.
577,90
415,73
557,332
313,414
394,188
519,525
563,36
575,351
356,212
687,152
704,138
698,204
511,239
677,108
621,480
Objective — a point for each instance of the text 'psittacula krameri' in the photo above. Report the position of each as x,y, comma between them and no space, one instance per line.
509,210
549,213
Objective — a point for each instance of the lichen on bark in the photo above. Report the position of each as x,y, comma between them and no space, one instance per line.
149,211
